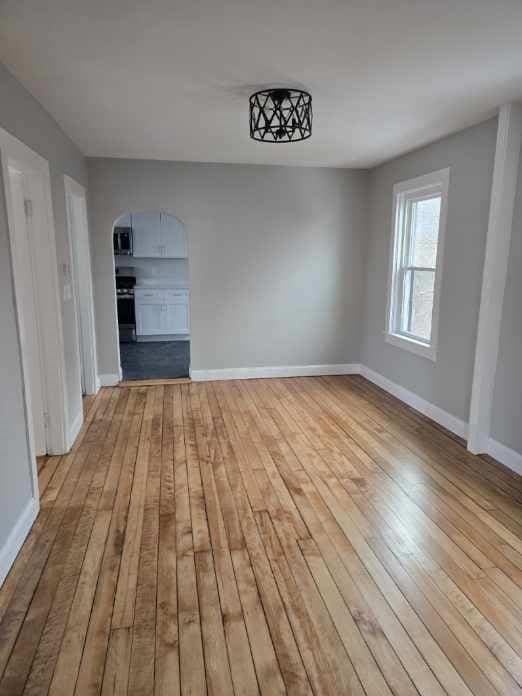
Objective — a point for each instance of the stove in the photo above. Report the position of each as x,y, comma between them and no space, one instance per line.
125,282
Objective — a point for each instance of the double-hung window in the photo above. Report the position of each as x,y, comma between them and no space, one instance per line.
419,222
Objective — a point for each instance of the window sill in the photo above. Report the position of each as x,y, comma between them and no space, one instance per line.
412,345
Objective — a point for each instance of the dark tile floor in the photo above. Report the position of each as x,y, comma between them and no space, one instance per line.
155,359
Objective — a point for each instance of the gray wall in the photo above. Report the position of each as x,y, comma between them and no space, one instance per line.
446,382
276,257
23,117
506,425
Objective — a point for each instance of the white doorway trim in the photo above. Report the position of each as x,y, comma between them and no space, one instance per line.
17,155
78,231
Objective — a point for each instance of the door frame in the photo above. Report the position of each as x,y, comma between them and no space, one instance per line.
48,299
82,287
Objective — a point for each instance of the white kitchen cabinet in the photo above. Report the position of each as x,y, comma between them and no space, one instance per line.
158,235
176,319
149,319
161,312
146,235
173,237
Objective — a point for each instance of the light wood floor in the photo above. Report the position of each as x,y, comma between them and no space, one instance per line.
273,536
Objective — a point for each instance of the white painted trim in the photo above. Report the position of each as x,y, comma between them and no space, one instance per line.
17,154
277,371
109,380
80,260
17,536
505,455
439,182
447,420
74,430
503,191
423,349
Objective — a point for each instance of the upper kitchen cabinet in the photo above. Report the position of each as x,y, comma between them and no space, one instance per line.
146,235
174,237
159,235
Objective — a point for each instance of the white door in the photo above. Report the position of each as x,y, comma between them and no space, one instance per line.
146,235
21,187
173,237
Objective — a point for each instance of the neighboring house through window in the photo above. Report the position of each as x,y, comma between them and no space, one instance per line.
419,224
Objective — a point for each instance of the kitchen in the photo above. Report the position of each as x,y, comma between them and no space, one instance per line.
152,293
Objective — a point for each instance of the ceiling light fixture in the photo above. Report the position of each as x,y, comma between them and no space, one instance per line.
280,115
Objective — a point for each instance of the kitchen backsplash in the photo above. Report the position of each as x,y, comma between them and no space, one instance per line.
147,270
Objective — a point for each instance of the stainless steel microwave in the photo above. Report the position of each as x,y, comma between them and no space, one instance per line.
122,241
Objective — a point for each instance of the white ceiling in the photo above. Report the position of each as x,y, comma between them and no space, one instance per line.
170,79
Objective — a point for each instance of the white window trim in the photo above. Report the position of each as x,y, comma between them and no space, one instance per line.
438,181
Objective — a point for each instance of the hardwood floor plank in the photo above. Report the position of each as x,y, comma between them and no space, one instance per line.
219,679
167,634
263,653
116,677
282,536
143,650
192,664
239,652
68,664
200,533
46,471
90,677
123,614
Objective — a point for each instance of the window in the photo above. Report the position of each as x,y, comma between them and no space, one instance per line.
419,221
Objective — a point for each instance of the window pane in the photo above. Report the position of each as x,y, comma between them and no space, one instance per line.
418,293
425,216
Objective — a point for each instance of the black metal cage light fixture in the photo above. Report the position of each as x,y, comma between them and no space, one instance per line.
280,115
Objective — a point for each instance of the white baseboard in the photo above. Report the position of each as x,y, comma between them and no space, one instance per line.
505,455
166,338
447,420
74,430
16,538
109,380
280,371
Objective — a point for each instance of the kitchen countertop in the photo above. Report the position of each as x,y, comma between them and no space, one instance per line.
160,285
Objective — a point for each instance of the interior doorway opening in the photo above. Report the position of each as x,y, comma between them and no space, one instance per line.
152,295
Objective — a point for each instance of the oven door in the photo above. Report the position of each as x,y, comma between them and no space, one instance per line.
126,318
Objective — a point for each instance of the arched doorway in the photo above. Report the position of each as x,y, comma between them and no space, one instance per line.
152,295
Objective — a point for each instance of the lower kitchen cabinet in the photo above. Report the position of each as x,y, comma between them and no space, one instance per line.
161,312
176,317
